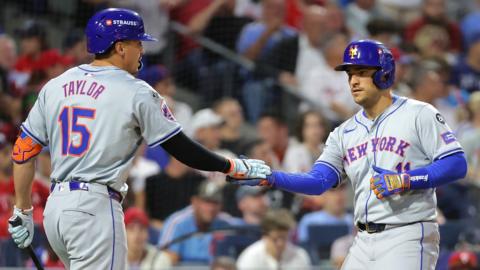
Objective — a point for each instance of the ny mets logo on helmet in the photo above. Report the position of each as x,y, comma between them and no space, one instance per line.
354,52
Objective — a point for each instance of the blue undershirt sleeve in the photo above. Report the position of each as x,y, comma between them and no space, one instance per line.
315,182
440,172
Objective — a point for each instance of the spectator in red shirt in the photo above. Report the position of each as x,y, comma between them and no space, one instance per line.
434,13
6,185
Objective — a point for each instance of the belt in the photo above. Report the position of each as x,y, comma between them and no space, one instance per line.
371,227
74,185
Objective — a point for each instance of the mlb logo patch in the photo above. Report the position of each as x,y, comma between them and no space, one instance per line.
448,137
108,22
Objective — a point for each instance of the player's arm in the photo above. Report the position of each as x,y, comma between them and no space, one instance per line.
23,154
319,179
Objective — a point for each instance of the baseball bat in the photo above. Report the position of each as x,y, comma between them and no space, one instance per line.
17,221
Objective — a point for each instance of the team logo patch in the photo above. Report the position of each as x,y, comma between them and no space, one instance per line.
167,113
440,118
108,22
354,52
448,137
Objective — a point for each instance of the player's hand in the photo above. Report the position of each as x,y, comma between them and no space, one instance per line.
22,234
267,182
248,169
387,183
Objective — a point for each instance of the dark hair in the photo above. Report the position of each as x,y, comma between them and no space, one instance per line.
276,117
105,54
301,123
377,26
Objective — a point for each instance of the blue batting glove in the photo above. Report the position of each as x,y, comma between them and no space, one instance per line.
386,183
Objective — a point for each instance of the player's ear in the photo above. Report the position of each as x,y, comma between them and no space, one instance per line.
119,48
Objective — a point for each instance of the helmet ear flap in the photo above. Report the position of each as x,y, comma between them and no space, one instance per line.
385,76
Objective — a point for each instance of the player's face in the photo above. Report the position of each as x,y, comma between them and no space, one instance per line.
364,91
133,52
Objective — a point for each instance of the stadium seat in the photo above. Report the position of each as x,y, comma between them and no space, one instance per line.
231,245
449,233
321,238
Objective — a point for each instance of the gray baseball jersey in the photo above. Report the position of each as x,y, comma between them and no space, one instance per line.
93,119
408,135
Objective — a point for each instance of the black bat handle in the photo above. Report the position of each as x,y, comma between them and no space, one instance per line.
15,222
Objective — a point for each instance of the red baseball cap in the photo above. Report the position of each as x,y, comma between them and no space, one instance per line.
462,259
134,214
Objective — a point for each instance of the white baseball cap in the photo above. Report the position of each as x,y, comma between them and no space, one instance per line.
205,118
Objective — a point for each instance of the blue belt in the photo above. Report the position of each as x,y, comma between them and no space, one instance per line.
74,185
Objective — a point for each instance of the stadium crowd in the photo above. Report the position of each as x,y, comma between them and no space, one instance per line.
254,78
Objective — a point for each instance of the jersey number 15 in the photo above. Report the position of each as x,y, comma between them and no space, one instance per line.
69,125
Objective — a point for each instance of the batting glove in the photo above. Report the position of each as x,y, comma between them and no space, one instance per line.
22,234
387,183
248,169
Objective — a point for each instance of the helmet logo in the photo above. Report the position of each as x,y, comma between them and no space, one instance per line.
108,22
354,53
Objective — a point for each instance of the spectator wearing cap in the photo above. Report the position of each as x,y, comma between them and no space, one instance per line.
75,47
252,203
205,128
466,73
202,216
334,212
160,78
141,255
274,250
236,134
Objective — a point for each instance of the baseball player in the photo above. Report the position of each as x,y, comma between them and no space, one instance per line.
93,117
395,151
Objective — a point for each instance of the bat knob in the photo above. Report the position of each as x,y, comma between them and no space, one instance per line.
15,221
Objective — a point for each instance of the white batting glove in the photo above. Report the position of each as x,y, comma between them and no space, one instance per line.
248,168
23,233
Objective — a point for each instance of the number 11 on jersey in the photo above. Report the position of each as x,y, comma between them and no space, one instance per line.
69,125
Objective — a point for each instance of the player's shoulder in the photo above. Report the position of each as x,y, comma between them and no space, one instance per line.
416,106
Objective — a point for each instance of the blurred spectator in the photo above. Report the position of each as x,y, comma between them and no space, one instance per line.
33,41
223,263
432,41
205,126
75,47
201,216
141,169
253,204
333,213
274,250
235,133
273,129
327,88
470,140
258,37
426,84
432,20
311,132
141,255
358,13
170,190
463,260
8,57
466,74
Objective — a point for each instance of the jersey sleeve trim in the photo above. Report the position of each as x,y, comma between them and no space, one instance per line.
166,137
339,178
449,152
30,134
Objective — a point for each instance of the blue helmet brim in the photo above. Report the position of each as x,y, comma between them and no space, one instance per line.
147,37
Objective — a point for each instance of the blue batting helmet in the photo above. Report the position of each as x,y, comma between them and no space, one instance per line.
114,24
371,53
